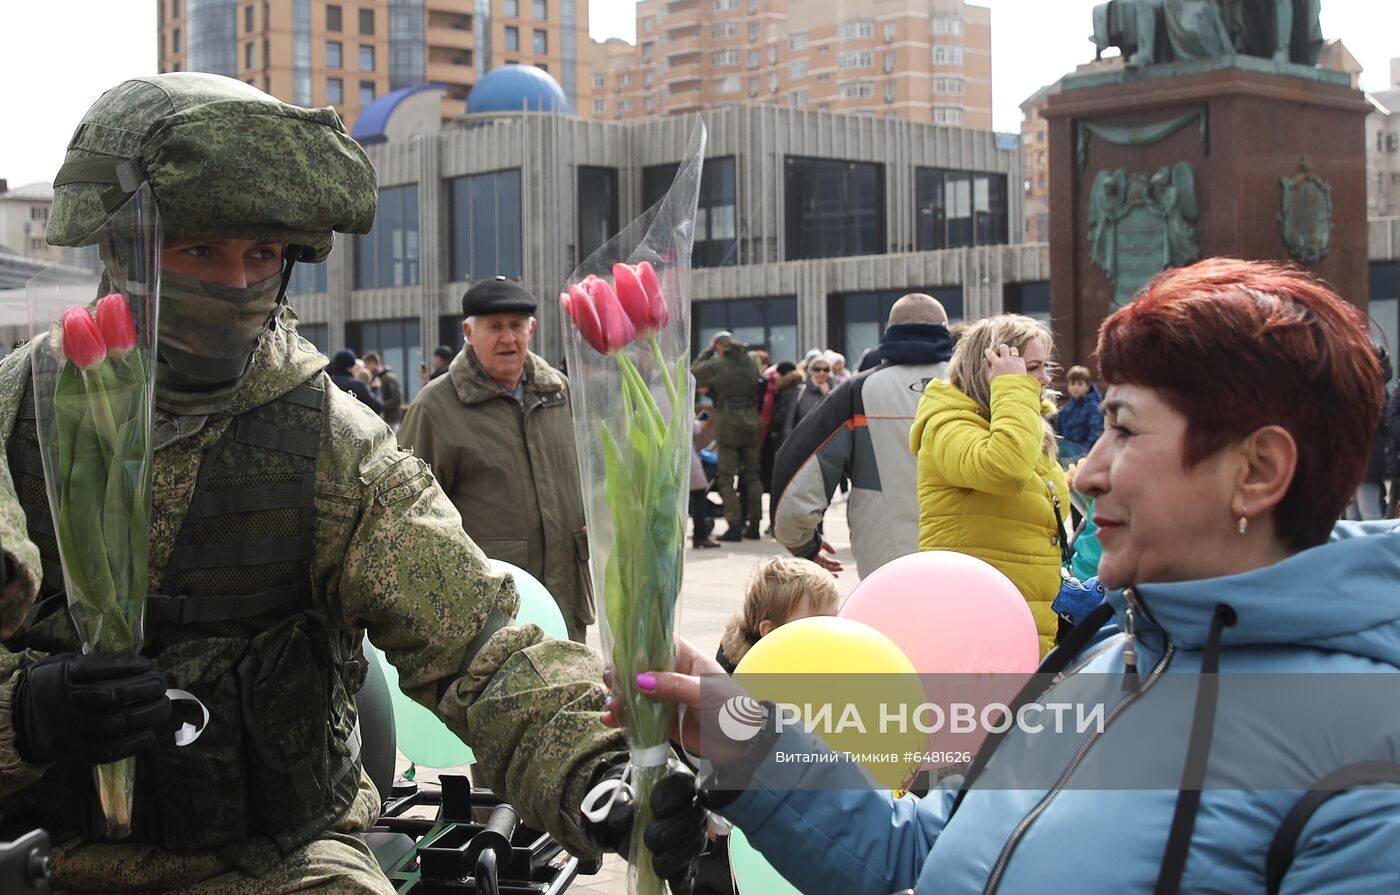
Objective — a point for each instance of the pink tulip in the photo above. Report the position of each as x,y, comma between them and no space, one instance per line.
580,309
652,284
592,299
114,320
646,314
82,340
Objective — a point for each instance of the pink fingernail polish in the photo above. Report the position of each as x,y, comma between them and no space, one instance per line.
646,681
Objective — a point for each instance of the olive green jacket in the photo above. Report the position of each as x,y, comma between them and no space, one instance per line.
511,471
734,380
390,557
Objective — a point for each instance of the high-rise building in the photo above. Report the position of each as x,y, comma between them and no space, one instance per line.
920,60
347,54
1383,149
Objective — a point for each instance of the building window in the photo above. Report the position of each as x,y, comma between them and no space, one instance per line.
541,42
647,51
649,24
512,37
798,98
797,69
175,41
856,320
600,81
174,9
753,85
833,208
600,106
797,40
724,5
946,55
624,105
1384,295
366,21
773,82
398,342
649,103
949,25
753,31
727,84
647,78
769,323
597,208
1030,299
541,9
725,57
335,91
38,213
366,92
332,18
388,254
307,279
772,54
753,58
716,214
721,30
855,59
334,56
952,115
857,29
248,18
624,79
959,208
511,8
857,90
248,55
948,86
318,334
366,57
485,229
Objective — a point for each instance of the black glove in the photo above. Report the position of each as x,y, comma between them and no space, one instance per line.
89,709
676,834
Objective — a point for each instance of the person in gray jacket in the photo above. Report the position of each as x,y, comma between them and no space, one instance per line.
861,431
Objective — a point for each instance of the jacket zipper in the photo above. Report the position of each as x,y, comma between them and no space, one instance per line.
1004,858
1130,671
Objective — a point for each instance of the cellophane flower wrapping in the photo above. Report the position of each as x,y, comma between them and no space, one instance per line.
93,364
633,402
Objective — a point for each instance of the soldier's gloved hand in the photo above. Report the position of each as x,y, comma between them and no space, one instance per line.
676,834
89,709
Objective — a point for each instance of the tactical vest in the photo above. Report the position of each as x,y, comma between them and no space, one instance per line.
233,624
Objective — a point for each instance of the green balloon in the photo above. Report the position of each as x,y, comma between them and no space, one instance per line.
752,873
423,739
537,605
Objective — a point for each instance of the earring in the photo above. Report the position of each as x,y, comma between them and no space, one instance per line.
1244,525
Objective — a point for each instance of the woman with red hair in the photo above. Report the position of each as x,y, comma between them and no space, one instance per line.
1247,648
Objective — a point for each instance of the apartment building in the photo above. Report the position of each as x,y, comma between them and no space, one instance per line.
925,61
350,52
24,221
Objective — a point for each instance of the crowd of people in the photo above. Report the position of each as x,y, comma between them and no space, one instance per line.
301,506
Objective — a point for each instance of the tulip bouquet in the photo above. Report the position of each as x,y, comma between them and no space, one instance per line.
632,399
93,388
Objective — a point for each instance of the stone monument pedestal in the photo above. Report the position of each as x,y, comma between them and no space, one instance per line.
1234,156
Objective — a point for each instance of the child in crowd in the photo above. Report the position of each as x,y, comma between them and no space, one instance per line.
1080,422
782,589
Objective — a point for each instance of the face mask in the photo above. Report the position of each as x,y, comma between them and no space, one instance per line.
207,337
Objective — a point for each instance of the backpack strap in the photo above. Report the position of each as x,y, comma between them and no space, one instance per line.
1285,841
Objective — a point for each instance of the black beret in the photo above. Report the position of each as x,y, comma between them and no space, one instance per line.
498,296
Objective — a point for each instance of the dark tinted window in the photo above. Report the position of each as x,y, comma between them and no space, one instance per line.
388,254
716,213
833,208
857,319
959,208
597,208
485,211
769,323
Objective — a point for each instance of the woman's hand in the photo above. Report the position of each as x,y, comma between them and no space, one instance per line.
1004,361
681,688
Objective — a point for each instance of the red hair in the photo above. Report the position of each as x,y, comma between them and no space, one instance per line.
1237,345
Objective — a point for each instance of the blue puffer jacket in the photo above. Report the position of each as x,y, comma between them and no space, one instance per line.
1332,609
1080,422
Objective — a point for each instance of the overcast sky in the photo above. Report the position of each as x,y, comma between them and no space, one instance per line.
59,55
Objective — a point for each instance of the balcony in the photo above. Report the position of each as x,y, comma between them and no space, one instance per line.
450,38
448,73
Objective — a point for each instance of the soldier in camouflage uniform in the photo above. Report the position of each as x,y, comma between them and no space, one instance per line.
286,522
734,380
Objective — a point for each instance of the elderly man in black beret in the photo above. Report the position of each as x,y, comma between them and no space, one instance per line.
498,434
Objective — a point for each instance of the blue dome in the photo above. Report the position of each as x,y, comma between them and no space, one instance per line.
374,118
513,88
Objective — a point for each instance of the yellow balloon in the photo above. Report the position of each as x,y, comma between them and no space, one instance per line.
848,682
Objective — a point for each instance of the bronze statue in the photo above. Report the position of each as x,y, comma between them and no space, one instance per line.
1141,225
1149,32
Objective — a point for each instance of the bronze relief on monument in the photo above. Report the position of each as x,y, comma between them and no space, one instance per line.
1306,216
1141,225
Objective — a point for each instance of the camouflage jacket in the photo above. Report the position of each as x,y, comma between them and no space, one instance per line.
390,556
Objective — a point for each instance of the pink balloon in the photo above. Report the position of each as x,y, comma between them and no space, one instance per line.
950,613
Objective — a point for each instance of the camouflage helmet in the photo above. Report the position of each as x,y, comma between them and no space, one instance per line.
223,159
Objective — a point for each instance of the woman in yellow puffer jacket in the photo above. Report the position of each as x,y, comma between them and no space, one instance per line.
987,467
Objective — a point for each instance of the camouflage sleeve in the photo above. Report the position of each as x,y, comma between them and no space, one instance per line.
706,365
15,772
527,705
22,570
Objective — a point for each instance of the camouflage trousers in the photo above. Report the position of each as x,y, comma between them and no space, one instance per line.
745,463
337,863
